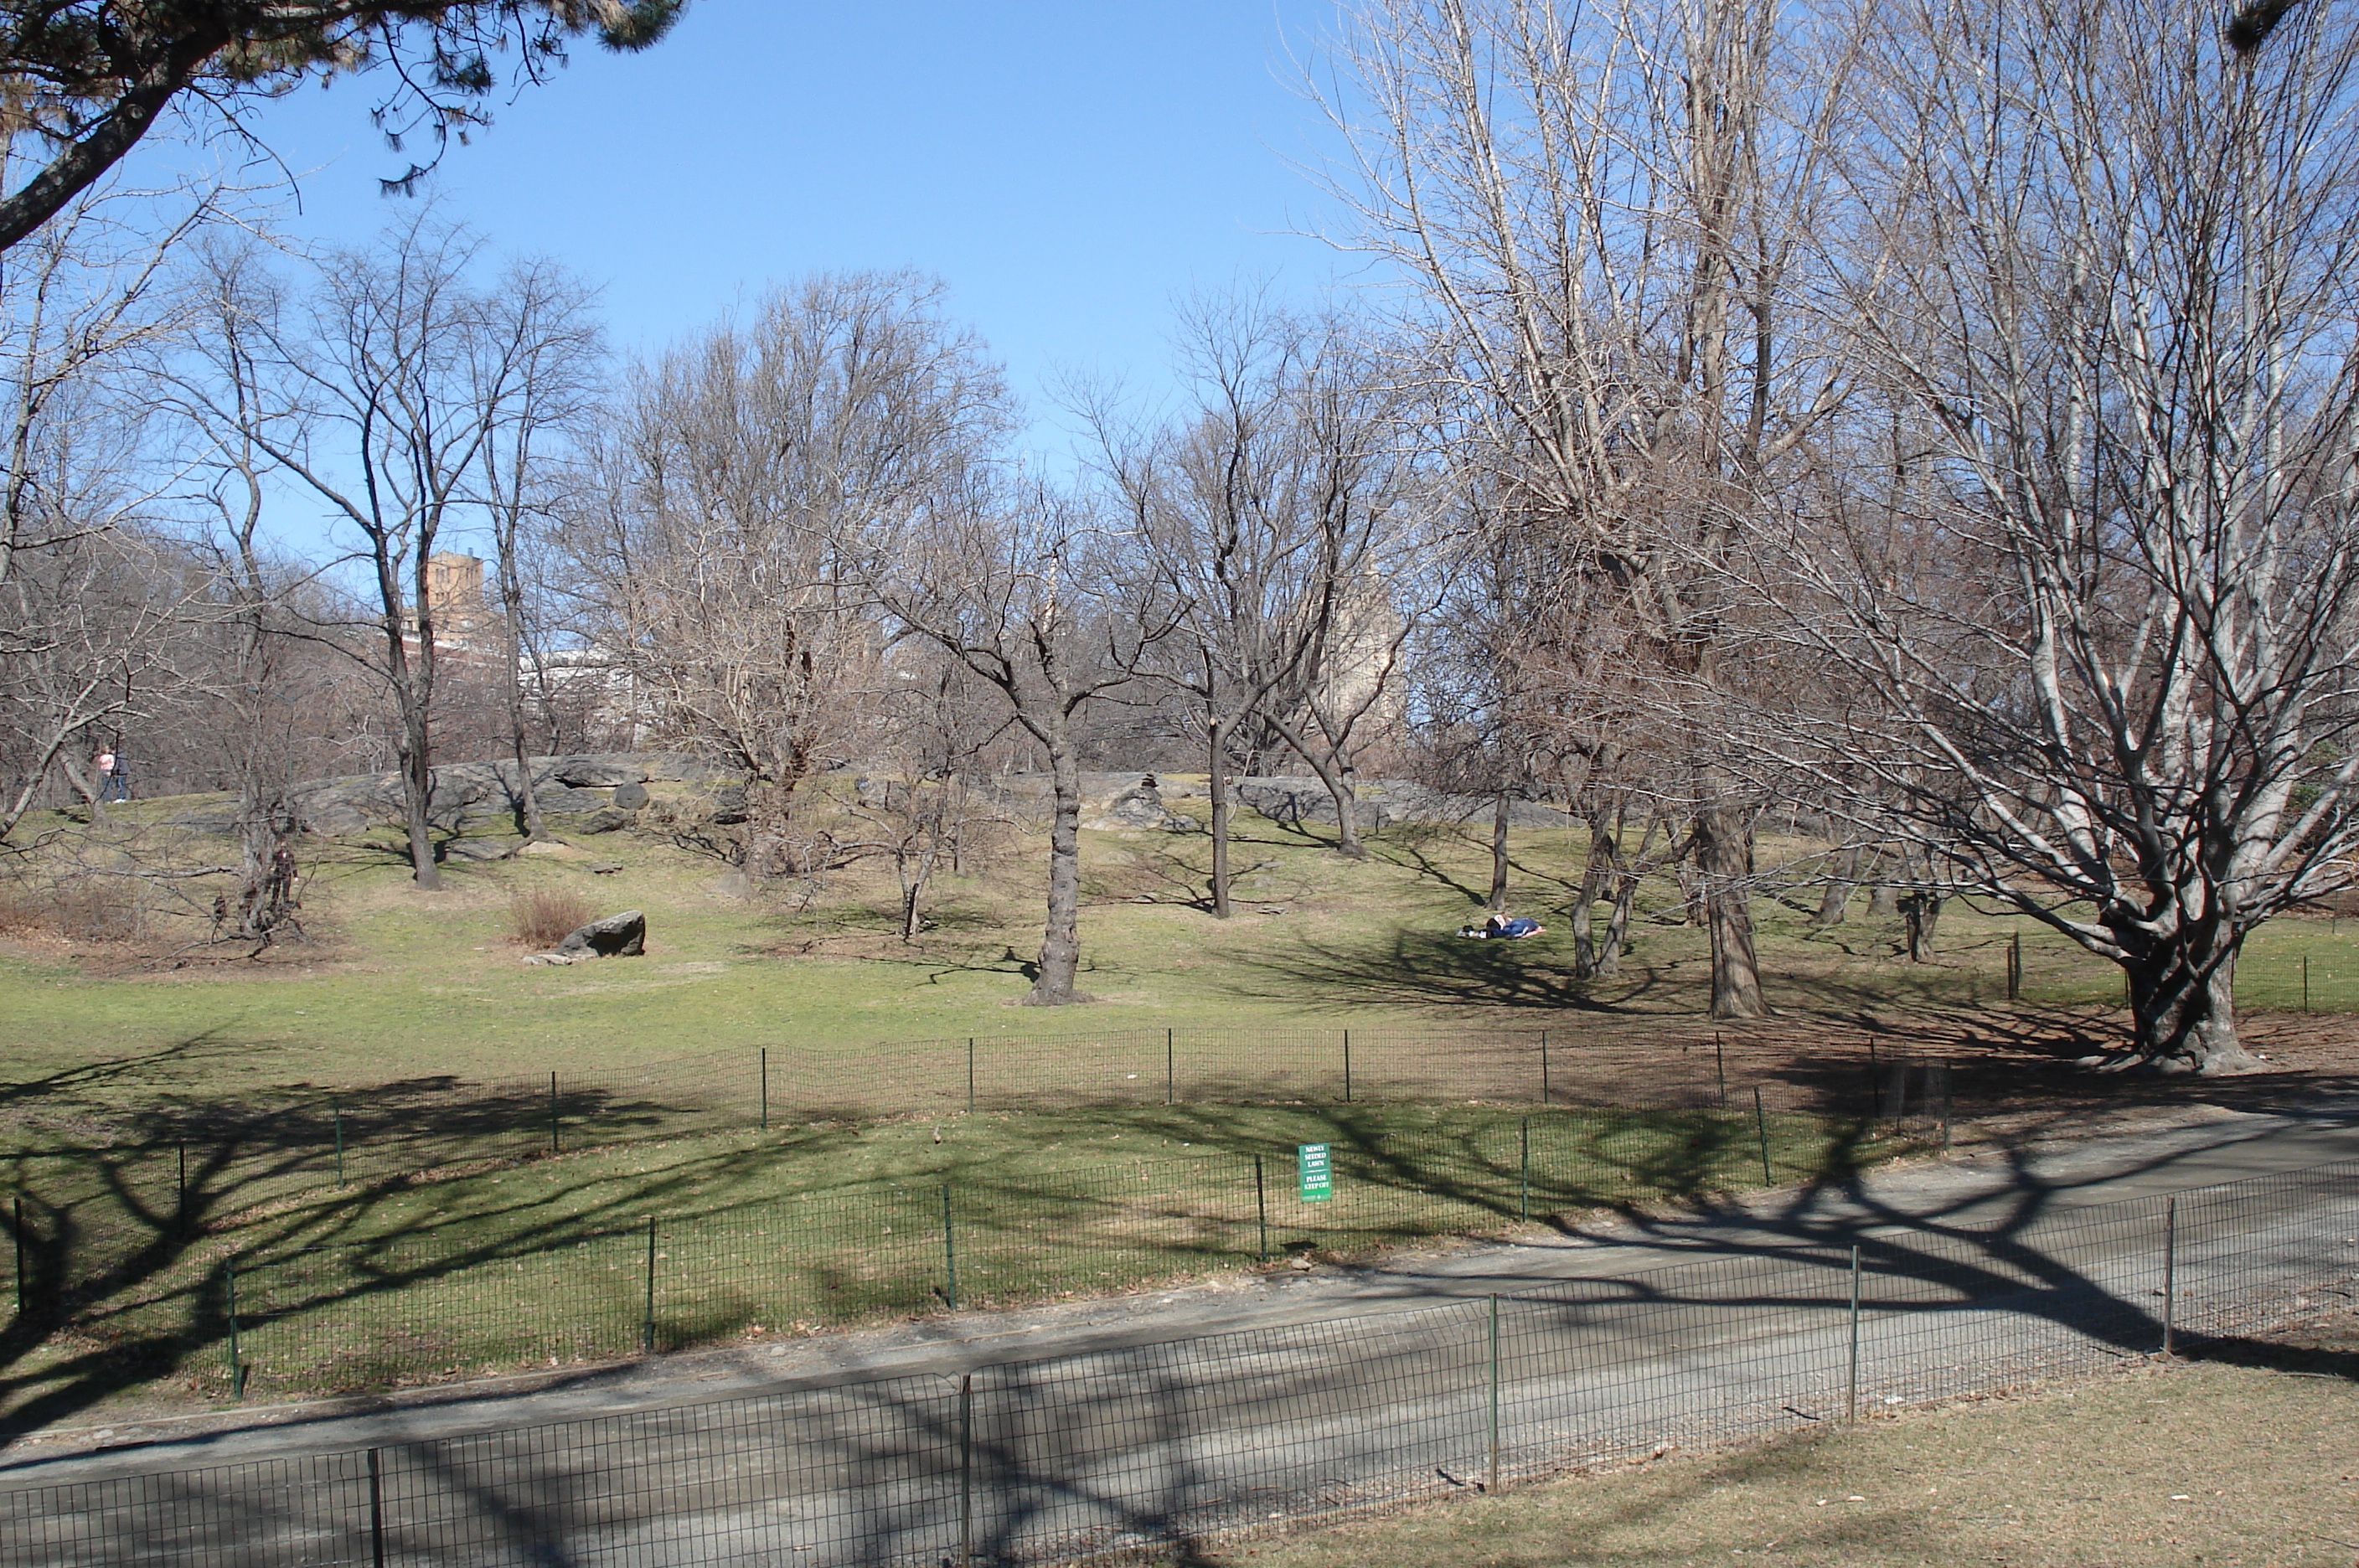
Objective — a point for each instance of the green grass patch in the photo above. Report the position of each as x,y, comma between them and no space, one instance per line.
547,1261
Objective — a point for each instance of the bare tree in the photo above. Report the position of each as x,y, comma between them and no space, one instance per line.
2091,561
1277,510
377,393
534,370
920,794
1592,206
87,605
1022,590
743,476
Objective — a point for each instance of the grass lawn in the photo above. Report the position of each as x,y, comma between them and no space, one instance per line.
2229,1466
547,1261
403,985
113,1054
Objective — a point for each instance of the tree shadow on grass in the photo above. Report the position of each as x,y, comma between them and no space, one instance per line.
128,1243
1418,968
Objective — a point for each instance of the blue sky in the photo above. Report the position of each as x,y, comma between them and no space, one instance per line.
1065,168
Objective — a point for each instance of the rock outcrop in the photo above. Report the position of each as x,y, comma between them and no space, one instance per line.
1140,805
577,794
1379,802
616,936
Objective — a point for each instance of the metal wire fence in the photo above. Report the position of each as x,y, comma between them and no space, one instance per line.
421,1305
286,1140
1085,1456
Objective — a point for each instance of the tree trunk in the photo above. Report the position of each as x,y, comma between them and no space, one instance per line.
1061,944
1587,962
416,759
1499,852
83,786
1834,906
1921,909
2182,1002
1339,789
1883,898
1218,758
1724,854
1617,925
914,877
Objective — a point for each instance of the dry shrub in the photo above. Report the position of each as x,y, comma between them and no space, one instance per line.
541,918
96,909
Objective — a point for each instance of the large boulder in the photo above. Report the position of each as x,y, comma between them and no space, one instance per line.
596,772
1138,806
564,801
616,936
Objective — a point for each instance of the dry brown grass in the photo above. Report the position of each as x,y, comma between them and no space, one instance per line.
541,918
2160,1466
94,911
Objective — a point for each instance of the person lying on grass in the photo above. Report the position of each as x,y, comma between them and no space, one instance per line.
1499,928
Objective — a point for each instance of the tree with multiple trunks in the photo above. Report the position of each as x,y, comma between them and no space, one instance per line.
84,80
2083,566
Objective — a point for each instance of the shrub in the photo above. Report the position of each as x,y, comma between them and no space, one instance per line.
541,918
96,909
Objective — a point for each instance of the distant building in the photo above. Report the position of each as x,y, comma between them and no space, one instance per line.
463,623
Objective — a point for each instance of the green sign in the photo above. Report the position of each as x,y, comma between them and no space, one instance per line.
1317,1174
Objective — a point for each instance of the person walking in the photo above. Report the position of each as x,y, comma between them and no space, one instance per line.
113,782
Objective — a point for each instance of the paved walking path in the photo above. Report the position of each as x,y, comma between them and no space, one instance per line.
1986,1193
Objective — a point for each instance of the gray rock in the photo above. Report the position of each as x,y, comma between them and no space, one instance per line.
630,796
616,936
729,805
1293,800
605,819
597,772
603,868
475,849
562,802
1377,801
1139,806
486,794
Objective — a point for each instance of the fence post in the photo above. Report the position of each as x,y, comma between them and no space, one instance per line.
1347,1067
966,1469
376,1512
1851,1383
1491,1477
2015,967
1261,1213
1526,1177
2170,1276
20,1255
236,1360
552,1113
1761,1120
1948,1106
970,1074
1720,1065
1545,1100
949,1250
648,1333
765,1088
340,1146
1170,1094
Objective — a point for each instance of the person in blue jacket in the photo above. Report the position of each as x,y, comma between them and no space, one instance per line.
1500,928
